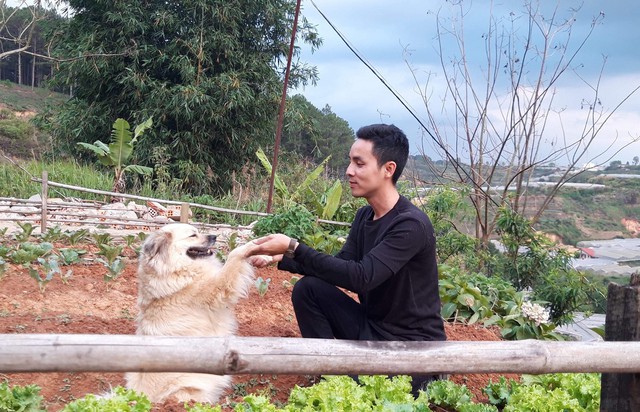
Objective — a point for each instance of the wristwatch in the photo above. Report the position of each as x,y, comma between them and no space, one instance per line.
290,253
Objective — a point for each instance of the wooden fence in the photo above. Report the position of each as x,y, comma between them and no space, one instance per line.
252,355
48,213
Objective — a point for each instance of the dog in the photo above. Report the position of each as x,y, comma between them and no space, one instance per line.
185,290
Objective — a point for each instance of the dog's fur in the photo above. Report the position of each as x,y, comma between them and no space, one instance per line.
184,290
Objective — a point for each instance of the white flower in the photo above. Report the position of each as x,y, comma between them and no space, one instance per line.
535,312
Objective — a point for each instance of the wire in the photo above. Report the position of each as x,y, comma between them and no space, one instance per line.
401,100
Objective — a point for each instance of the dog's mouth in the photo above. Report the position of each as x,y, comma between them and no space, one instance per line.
196,252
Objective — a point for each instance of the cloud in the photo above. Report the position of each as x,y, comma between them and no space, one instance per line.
380,30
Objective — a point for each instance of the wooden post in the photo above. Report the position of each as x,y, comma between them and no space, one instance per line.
44,194
621,392
184,213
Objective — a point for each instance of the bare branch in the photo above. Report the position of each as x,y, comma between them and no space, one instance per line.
498,129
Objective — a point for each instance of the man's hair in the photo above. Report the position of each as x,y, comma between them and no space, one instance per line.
389,144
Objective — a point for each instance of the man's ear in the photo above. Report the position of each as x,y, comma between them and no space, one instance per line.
390,168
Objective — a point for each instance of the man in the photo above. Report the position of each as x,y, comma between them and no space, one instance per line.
388,259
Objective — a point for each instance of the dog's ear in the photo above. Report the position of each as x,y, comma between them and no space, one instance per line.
157,243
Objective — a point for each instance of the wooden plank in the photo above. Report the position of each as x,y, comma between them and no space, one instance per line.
297,356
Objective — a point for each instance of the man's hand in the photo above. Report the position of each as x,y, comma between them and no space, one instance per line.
273,245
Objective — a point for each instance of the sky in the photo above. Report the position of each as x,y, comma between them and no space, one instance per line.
381,31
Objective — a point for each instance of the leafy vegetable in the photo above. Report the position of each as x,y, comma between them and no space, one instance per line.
20,398
119,400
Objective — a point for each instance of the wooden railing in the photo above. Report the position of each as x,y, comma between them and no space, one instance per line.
286,356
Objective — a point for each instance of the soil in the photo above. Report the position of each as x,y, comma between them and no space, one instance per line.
83,302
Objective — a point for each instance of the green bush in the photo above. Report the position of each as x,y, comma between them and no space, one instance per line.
475,298
531,262
295,221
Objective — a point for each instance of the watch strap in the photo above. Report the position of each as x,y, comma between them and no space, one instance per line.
290,253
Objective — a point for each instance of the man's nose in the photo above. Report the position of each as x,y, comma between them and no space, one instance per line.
349,171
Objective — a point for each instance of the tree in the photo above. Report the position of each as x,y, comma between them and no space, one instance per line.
636,160
492,127
208,72
23,39
316,134
616,164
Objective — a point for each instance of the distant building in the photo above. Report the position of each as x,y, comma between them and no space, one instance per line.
587,253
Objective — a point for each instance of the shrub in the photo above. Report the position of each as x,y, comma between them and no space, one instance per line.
295,221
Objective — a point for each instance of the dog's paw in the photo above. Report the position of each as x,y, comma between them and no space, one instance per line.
243,251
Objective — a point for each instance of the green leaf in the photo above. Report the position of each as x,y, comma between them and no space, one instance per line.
448,309
98,148
278,183
492,320
121,145
466,299
333,200
474,318
140,129
311,177
142,170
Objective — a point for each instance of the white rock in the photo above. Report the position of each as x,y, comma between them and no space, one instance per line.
114,206
25,209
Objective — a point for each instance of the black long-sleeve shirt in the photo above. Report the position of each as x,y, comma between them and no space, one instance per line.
391,264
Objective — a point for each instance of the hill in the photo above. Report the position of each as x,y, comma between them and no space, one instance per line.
594,205
18,105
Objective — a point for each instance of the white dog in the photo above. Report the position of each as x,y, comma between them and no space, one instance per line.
184,290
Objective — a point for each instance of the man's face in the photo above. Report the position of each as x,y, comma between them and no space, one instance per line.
365,176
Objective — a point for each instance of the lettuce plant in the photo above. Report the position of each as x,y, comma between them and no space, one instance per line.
20,398
119,400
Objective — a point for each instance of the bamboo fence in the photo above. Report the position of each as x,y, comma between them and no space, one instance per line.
45,211
252,355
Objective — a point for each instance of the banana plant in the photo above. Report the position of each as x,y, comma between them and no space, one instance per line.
325,204
119,151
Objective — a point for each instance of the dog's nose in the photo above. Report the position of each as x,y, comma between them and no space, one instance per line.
211,239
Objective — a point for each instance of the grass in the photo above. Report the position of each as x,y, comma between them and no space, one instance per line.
16,181
25,98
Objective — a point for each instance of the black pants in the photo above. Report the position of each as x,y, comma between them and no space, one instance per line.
325,312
